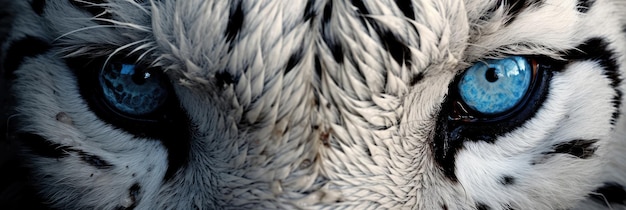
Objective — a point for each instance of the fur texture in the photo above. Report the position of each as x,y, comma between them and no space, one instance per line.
322,104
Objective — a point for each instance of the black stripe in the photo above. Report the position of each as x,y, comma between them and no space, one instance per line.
38,6
398,50
294,59
416,78
597,49
611,192
317,68
578,148
235,21
390,42
40,146
507,180
309,12
482,206
406,6
19,50
133,194
93,8
335,48
584,5
94,161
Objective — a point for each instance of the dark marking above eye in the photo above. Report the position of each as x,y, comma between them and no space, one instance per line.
309,12
584,6
578,148
225,78
38,6
317,66
294,59
94,160
335,48
235,21
43,147
597,50
482,206
416,78
610,192
399,51
406,6
507,180
19,50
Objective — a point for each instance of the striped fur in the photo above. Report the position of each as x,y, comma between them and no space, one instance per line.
319,104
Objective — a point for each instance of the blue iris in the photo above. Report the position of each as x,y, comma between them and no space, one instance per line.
132,92
496,86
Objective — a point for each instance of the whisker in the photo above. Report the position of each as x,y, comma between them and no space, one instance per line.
129,25
146,53
86,28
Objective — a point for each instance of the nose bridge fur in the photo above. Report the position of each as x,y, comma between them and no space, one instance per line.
318,90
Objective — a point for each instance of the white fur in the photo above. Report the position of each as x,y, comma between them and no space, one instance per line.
254,144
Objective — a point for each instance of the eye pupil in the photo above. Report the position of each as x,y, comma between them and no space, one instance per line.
139,79
491,75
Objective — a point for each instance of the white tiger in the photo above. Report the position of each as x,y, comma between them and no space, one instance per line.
321,104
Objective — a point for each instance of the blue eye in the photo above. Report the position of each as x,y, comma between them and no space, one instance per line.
132,91
496,86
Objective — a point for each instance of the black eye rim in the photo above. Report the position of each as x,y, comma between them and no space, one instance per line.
462,112
451,131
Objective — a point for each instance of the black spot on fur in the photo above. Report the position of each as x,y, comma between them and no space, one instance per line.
611,192
235,22
294,59
94,7
38,6
19,50
417,78
507,180
444,206
224,78
578,148
584,5
597,50
482,206
318,67
335,48
406,6
309,12
42,147
133,194
94,161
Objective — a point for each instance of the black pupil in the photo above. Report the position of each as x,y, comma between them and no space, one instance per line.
139,78
491,75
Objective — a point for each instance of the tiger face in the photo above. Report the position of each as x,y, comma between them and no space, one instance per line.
435,104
